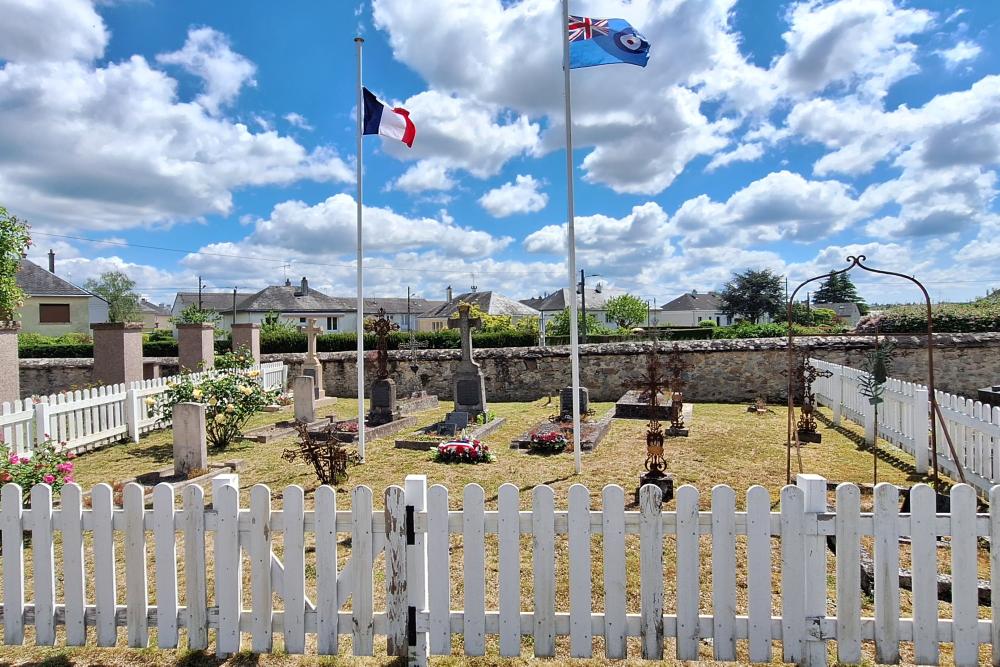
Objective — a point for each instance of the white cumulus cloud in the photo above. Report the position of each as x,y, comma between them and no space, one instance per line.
522,195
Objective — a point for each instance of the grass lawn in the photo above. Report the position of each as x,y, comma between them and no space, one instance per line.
726,446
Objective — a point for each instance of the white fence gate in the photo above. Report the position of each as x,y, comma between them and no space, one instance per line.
416,531
89,418
904,420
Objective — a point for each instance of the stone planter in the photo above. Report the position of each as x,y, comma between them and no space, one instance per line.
117,352
196,347
10,374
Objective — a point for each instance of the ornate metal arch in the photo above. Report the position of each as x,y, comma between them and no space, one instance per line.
858,261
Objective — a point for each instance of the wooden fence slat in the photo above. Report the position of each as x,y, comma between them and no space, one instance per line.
651,572
415,497
509,564
105,579
923,558
543,568
964,565
136,593
362,611
166,565
438,555
474,570
261,591
724,572
396,598
43,559
793,631
294,580
195,574
580,588
11,515
74,564
886,574
327,604
228,569
759,573
848,574
688,577
613,525
995,567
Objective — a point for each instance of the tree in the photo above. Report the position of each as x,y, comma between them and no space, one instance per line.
559,324
14,243
192,314
625,310
837,289
119,291
752,294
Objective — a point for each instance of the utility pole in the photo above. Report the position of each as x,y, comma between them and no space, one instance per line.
408,326
234,304
200,285
583,303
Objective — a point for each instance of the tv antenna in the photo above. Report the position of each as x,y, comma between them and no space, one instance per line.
474,286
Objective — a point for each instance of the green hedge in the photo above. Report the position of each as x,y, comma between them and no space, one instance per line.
56,350
448,339
946,318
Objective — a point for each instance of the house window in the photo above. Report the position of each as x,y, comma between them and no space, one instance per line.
53,313
302,320
331,323
437,326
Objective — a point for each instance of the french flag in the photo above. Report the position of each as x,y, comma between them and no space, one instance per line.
392,123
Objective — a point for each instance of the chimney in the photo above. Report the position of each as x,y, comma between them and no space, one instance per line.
304,286
288,283
52,261
449,293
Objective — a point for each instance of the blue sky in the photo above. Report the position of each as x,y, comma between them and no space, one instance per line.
784,135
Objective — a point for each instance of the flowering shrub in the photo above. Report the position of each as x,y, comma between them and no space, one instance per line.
548,443
45,466
240,359
230,400
464,451
14,243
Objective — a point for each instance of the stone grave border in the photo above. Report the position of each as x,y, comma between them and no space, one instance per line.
478,433
601,428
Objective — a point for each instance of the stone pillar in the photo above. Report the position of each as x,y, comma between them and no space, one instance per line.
305,399
10,366
196,347
117,352
247,335
190,442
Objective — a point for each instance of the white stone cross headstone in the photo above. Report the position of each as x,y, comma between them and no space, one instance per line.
190,442
311,332
466,324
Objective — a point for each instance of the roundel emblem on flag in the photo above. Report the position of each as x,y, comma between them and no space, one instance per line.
631,41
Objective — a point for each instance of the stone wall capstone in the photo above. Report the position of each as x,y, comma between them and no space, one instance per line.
720,370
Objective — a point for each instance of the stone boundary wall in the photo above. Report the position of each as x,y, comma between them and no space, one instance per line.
720,370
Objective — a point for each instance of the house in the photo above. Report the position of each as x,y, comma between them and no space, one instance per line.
689,309
553,304
400,310
154,316
848,314
224,303
491,303
54,306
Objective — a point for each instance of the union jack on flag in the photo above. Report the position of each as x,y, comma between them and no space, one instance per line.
581,27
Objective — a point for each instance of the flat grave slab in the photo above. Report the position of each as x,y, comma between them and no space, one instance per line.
632,406
591,432
431,438
423,401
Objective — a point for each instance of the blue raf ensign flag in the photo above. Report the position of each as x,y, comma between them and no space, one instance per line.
605,42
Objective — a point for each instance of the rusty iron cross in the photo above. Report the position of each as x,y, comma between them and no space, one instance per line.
381,326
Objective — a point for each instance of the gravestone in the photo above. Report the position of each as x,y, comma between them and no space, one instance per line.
383,391
312,366
459,420
566,402
469,389
190,442
305,399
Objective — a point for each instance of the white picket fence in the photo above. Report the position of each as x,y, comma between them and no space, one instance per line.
904,420
416,531
89,418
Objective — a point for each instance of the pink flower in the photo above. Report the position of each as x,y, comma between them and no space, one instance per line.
65,467
13,458
71,455
48,479
68,478
25,459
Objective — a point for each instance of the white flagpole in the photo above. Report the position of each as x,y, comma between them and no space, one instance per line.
571,246
358,41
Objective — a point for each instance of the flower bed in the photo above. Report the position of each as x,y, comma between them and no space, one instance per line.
44,466
553,442
463,451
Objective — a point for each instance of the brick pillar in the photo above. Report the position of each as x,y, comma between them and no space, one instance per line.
247,335
10,367
196,347
117,352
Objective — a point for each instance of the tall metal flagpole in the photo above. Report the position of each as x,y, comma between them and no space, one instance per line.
571,246
358,41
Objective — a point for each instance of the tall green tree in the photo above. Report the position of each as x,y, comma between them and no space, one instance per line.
626,310
559,324
753,294
14,242
837,288
119,291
